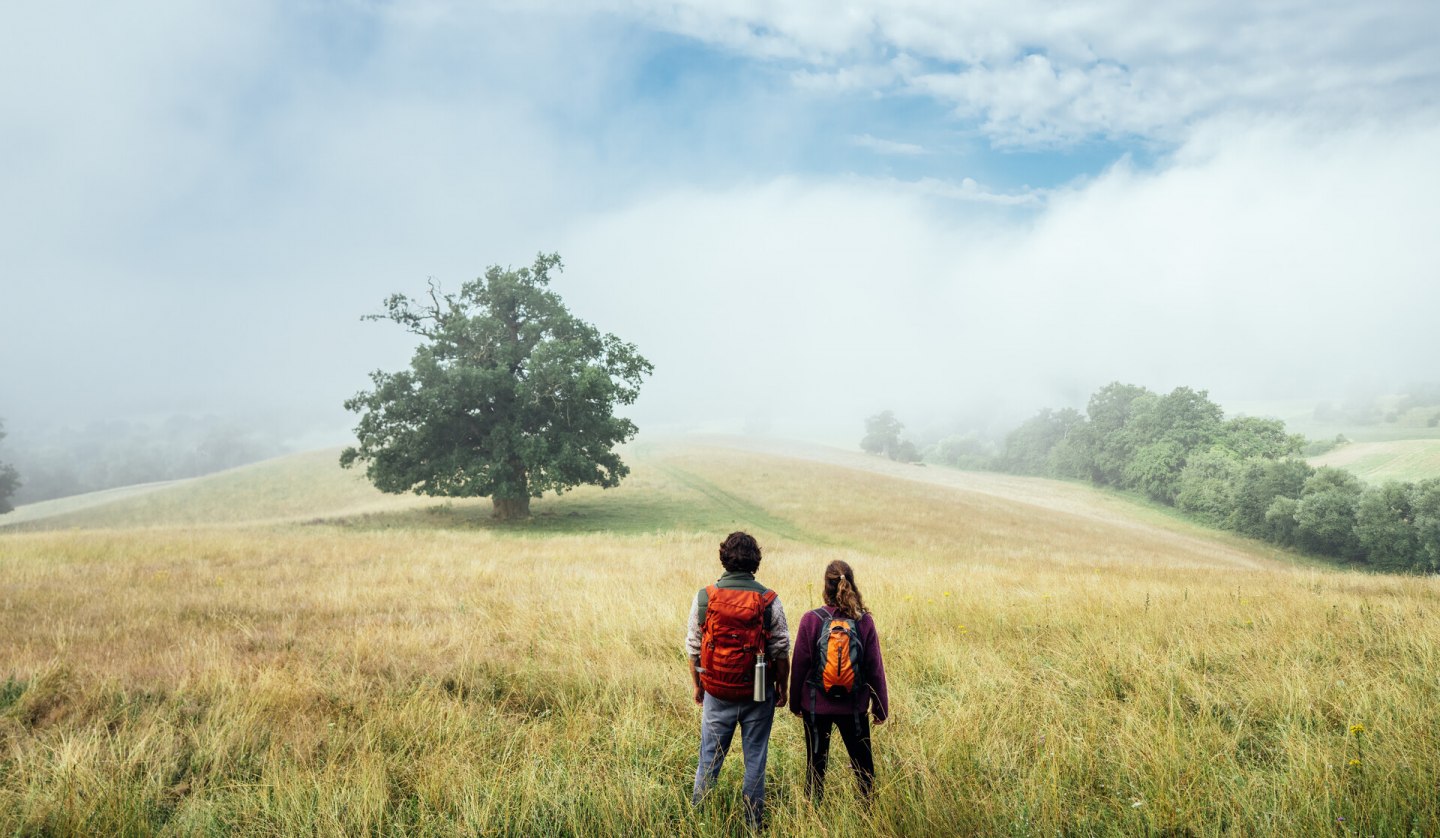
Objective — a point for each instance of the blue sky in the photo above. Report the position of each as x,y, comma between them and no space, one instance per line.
944,209
676,80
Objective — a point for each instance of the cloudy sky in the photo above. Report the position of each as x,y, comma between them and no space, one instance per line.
801,212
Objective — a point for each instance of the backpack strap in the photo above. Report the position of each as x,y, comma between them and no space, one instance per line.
703,600
767,600
824,615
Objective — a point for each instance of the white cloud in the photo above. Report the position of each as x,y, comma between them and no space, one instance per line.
1262,259
198,208
882,146
967,190
1039,74
849,79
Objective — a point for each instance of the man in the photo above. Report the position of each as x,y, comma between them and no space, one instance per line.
730,622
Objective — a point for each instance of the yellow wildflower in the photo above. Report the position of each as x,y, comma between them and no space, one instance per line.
1354,762
1357,729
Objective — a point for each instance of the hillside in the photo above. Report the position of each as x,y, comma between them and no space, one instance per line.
1410,460
1407,449
711,485
1300,417
281,650
289,488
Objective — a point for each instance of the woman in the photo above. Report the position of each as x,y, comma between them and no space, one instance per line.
822,700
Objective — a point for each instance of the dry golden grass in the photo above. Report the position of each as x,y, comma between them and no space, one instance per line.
288,489
1059,664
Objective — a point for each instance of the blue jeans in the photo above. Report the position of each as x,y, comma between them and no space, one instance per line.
718,719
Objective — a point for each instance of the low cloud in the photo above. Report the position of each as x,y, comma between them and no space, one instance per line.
201,205
1276,262
880,146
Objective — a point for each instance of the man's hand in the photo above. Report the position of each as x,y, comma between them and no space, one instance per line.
782,680
695,679
878,720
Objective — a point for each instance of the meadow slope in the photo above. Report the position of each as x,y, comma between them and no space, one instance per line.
282,650
1406,460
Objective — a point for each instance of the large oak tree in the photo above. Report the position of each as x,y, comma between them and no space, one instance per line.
509,395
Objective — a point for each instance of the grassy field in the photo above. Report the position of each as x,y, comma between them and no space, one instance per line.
279,650
1407,449
1376,462
1299,417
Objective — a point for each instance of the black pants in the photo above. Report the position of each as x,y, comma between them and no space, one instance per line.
855,732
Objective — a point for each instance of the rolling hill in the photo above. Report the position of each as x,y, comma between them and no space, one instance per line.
280,649
1407,449
705,486
1409,460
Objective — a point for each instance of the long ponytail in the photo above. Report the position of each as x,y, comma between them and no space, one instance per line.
841,592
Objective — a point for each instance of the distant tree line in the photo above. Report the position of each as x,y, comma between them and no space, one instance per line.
64,461
1418,405
9,480
1241,474
882,436
1421,396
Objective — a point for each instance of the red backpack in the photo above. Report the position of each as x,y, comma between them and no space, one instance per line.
733,633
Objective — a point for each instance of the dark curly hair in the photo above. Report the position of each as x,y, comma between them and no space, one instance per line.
740,552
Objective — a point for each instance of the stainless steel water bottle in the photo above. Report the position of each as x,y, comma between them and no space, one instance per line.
760,683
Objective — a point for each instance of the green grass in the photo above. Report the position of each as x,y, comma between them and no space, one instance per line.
1299,417
656,498
311,489
1410,460
1406,450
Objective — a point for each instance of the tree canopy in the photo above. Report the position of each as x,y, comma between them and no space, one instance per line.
1040,444
508,397
1242,474
882,436
882,433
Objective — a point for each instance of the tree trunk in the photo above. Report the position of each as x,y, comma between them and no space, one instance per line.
515,504
511,509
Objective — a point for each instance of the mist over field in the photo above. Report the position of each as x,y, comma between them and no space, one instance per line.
1149,290
799,217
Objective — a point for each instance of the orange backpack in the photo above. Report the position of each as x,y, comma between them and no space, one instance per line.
838,653
733,633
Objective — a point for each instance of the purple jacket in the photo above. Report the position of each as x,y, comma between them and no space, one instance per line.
874,696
